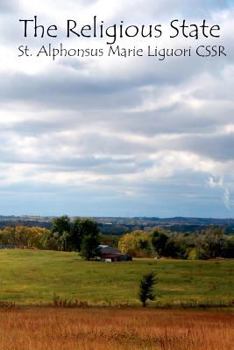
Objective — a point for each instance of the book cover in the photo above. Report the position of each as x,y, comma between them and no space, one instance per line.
116,174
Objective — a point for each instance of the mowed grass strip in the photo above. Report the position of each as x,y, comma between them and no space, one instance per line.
33,277
113,329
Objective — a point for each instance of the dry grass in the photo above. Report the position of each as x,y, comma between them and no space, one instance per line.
114,329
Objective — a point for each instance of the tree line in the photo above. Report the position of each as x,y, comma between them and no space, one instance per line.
83,236
207,244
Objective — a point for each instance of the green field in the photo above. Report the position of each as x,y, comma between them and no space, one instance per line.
33,277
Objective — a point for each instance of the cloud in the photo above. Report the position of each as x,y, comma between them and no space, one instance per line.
8,6
132,136
215,182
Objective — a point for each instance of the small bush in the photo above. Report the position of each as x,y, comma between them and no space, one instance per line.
7,305
68,303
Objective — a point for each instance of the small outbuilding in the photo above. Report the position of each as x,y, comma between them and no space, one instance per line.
110,254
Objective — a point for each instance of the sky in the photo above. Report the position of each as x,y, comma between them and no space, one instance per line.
108,136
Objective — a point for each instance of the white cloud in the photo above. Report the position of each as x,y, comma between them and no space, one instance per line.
122,127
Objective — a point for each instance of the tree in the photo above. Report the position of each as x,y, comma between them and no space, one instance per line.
23,236
61,230
228,248
89,246
159,241
76,234
80,229
211,243
61,225
80,235
146,291
89,238
136,243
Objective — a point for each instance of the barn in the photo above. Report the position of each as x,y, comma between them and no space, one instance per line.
111,254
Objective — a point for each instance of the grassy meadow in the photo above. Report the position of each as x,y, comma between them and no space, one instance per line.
115,329
32,277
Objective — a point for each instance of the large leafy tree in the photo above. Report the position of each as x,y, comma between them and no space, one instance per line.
79,235
159,241
61,231
136,244
89,246
211,243
76,234
61,225
81,229
90,239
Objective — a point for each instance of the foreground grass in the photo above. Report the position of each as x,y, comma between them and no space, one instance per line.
113,329
33,277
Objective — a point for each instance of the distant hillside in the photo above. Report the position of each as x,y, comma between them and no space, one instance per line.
118,225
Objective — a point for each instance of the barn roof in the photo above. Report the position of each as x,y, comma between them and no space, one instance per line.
105,249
